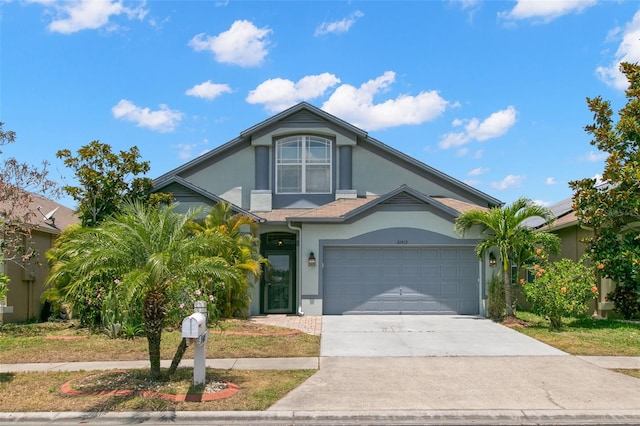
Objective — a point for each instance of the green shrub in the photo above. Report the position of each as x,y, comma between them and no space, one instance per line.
562,289
4,286
626,300
496,301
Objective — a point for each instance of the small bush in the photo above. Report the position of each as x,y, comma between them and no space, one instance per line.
626,300
497,308
562,289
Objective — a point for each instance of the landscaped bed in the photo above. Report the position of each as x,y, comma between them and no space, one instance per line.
124,391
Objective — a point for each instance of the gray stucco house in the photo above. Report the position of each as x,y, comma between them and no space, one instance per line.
349,224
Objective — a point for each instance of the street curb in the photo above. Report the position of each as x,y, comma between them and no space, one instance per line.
432,417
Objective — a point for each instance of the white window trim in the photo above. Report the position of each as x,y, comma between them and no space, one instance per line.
304,164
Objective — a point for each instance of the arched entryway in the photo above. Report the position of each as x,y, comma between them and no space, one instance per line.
278,282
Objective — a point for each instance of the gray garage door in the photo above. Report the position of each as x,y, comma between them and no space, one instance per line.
400,280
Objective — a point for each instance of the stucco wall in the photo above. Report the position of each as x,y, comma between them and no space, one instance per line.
24,295
234,176
314,234
389,176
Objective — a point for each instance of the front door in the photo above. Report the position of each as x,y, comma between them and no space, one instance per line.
278,283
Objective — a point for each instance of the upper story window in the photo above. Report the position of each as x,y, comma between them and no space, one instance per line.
303,165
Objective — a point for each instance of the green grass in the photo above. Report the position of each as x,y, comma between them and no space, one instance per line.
584,336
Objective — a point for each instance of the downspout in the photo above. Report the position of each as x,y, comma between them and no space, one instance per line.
298,269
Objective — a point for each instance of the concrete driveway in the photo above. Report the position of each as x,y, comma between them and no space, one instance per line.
448,364
423,335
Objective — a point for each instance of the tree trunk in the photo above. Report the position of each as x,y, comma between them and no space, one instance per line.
182,348
154,312
506,272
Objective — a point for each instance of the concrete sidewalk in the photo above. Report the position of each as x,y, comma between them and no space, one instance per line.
302,363
310,363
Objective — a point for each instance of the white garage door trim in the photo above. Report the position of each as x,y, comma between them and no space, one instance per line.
400,280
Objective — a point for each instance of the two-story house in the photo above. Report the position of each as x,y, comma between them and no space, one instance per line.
348,224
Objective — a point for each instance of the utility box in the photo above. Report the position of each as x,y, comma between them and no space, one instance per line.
194,326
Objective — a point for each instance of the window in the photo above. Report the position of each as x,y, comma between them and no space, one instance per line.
303,165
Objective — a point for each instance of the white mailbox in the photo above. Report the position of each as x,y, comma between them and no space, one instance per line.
194,326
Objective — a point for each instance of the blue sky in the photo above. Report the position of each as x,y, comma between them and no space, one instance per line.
491,93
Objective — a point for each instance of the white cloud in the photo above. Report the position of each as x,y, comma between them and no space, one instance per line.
162,120
356,105
496,125
594,156
278,94
478,171
542,203
243,44
186,150
78,15
546,10
550,181
511,181
208,90
465,4
628,51
337,27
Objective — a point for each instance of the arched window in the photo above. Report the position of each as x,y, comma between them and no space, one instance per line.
303,165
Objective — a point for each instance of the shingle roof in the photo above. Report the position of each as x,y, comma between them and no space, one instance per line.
342,208
333,210
40,206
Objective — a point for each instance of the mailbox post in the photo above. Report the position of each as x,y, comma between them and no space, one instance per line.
194,329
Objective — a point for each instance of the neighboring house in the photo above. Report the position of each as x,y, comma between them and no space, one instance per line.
47,220
348,224
571,236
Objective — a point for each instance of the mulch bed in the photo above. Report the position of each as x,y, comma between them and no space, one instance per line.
230,390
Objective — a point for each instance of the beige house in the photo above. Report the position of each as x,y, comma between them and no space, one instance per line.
47,220
571,235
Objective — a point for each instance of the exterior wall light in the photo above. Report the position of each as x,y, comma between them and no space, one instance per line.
492,259
312,259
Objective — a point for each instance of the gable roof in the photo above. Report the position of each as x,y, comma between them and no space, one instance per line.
206,194
244,140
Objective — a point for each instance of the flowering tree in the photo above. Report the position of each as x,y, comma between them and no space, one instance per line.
612,209
560,289
18,181
153,255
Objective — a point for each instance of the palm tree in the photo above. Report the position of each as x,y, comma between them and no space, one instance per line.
243,254
150,252
503,228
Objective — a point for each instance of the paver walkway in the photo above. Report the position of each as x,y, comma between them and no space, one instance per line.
308,324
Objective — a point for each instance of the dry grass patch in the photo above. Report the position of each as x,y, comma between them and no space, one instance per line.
49,342
40,391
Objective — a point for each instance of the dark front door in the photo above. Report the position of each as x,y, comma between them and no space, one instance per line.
278,283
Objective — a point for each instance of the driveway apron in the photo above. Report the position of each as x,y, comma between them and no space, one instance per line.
423,335
377,363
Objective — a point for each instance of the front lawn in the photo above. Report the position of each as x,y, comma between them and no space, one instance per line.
584,336
65,342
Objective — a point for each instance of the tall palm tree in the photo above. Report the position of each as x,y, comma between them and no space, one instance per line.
503,228
149,251
243,254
